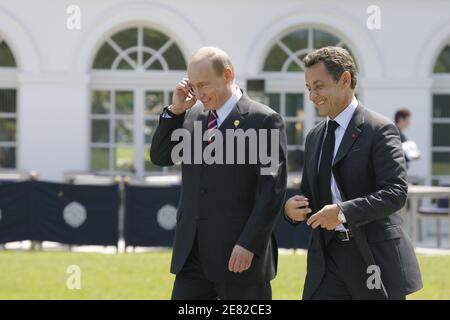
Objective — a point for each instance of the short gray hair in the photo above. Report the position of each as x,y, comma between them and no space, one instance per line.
220,59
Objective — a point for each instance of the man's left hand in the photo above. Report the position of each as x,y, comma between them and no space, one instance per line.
240,260
326,218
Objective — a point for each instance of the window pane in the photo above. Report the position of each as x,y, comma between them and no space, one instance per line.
124,158
8,130
101,102
275,59
441,134
296,40
148,165
294,132
274,101
124,65
443,61
150,127
296,160
154,39
441,163
324,39
156,65
100,131
99,159
441,106
294,105
6,56
124,131
8,100
7,157
124,102
294,67
126,39
105,57
175,58
134,56
154,102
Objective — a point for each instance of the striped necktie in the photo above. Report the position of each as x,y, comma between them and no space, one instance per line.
212,125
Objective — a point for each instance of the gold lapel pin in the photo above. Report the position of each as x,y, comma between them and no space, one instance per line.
236,123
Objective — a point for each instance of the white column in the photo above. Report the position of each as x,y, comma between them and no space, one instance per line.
53,125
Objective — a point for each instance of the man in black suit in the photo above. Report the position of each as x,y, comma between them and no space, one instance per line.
224,245
353,184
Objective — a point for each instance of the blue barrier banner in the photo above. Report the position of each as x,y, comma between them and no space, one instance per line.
150,215
289,236
15,211
150,219
6,182
88,215
75,214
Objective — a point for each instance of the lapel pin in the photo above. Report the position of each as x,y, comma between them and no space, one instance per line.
236,123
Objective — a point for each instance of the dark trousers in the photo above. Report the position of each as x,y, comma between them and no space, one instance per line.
192,284
346,275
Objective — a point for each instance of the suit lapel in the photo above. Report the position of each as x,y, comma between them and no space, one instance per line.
351,134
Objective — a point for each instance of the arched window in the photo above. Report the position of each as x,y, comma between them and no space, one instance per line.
8,108
442,64
441,119
283,71
134,73
139,49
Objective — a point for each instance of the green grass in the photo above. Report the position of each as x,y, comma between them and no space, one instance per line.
42,275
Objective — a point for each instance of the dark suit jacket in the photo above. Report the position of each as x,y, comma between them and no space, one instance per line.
226,204
369,169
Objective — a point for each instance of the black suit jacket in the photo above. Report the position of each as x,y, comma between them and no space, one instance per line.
369,169
226,204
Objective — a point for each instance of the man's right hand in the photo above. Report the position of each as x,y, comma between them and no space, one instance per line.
183,97
297,208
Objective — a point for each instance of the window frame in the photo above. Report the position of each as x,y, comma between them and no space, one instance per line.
285,82
139,82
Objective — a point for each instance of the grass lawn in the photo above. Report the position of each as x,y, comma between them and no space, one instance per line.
42,275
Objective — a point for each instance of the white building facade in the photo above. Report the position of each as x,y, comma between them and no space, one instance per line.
88,99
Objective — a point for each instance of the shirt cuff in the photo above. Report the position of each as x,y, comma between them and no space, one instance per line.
167,113
340,210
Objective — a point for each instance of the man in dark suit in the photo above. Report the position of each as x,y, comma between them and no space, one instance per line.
224,245
353,184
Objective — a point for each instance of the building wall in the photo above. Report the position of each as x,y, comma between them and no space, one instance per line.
54,75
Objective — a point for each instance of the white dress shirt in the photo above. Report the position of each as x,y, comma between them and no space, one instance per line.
343,119
224,111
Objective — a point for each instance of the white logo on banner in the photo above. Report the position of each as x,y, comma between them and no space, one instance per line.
167,217
74,214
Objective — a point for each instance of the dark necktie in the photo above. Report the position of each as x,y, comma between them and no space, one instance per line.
212,124
326,162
